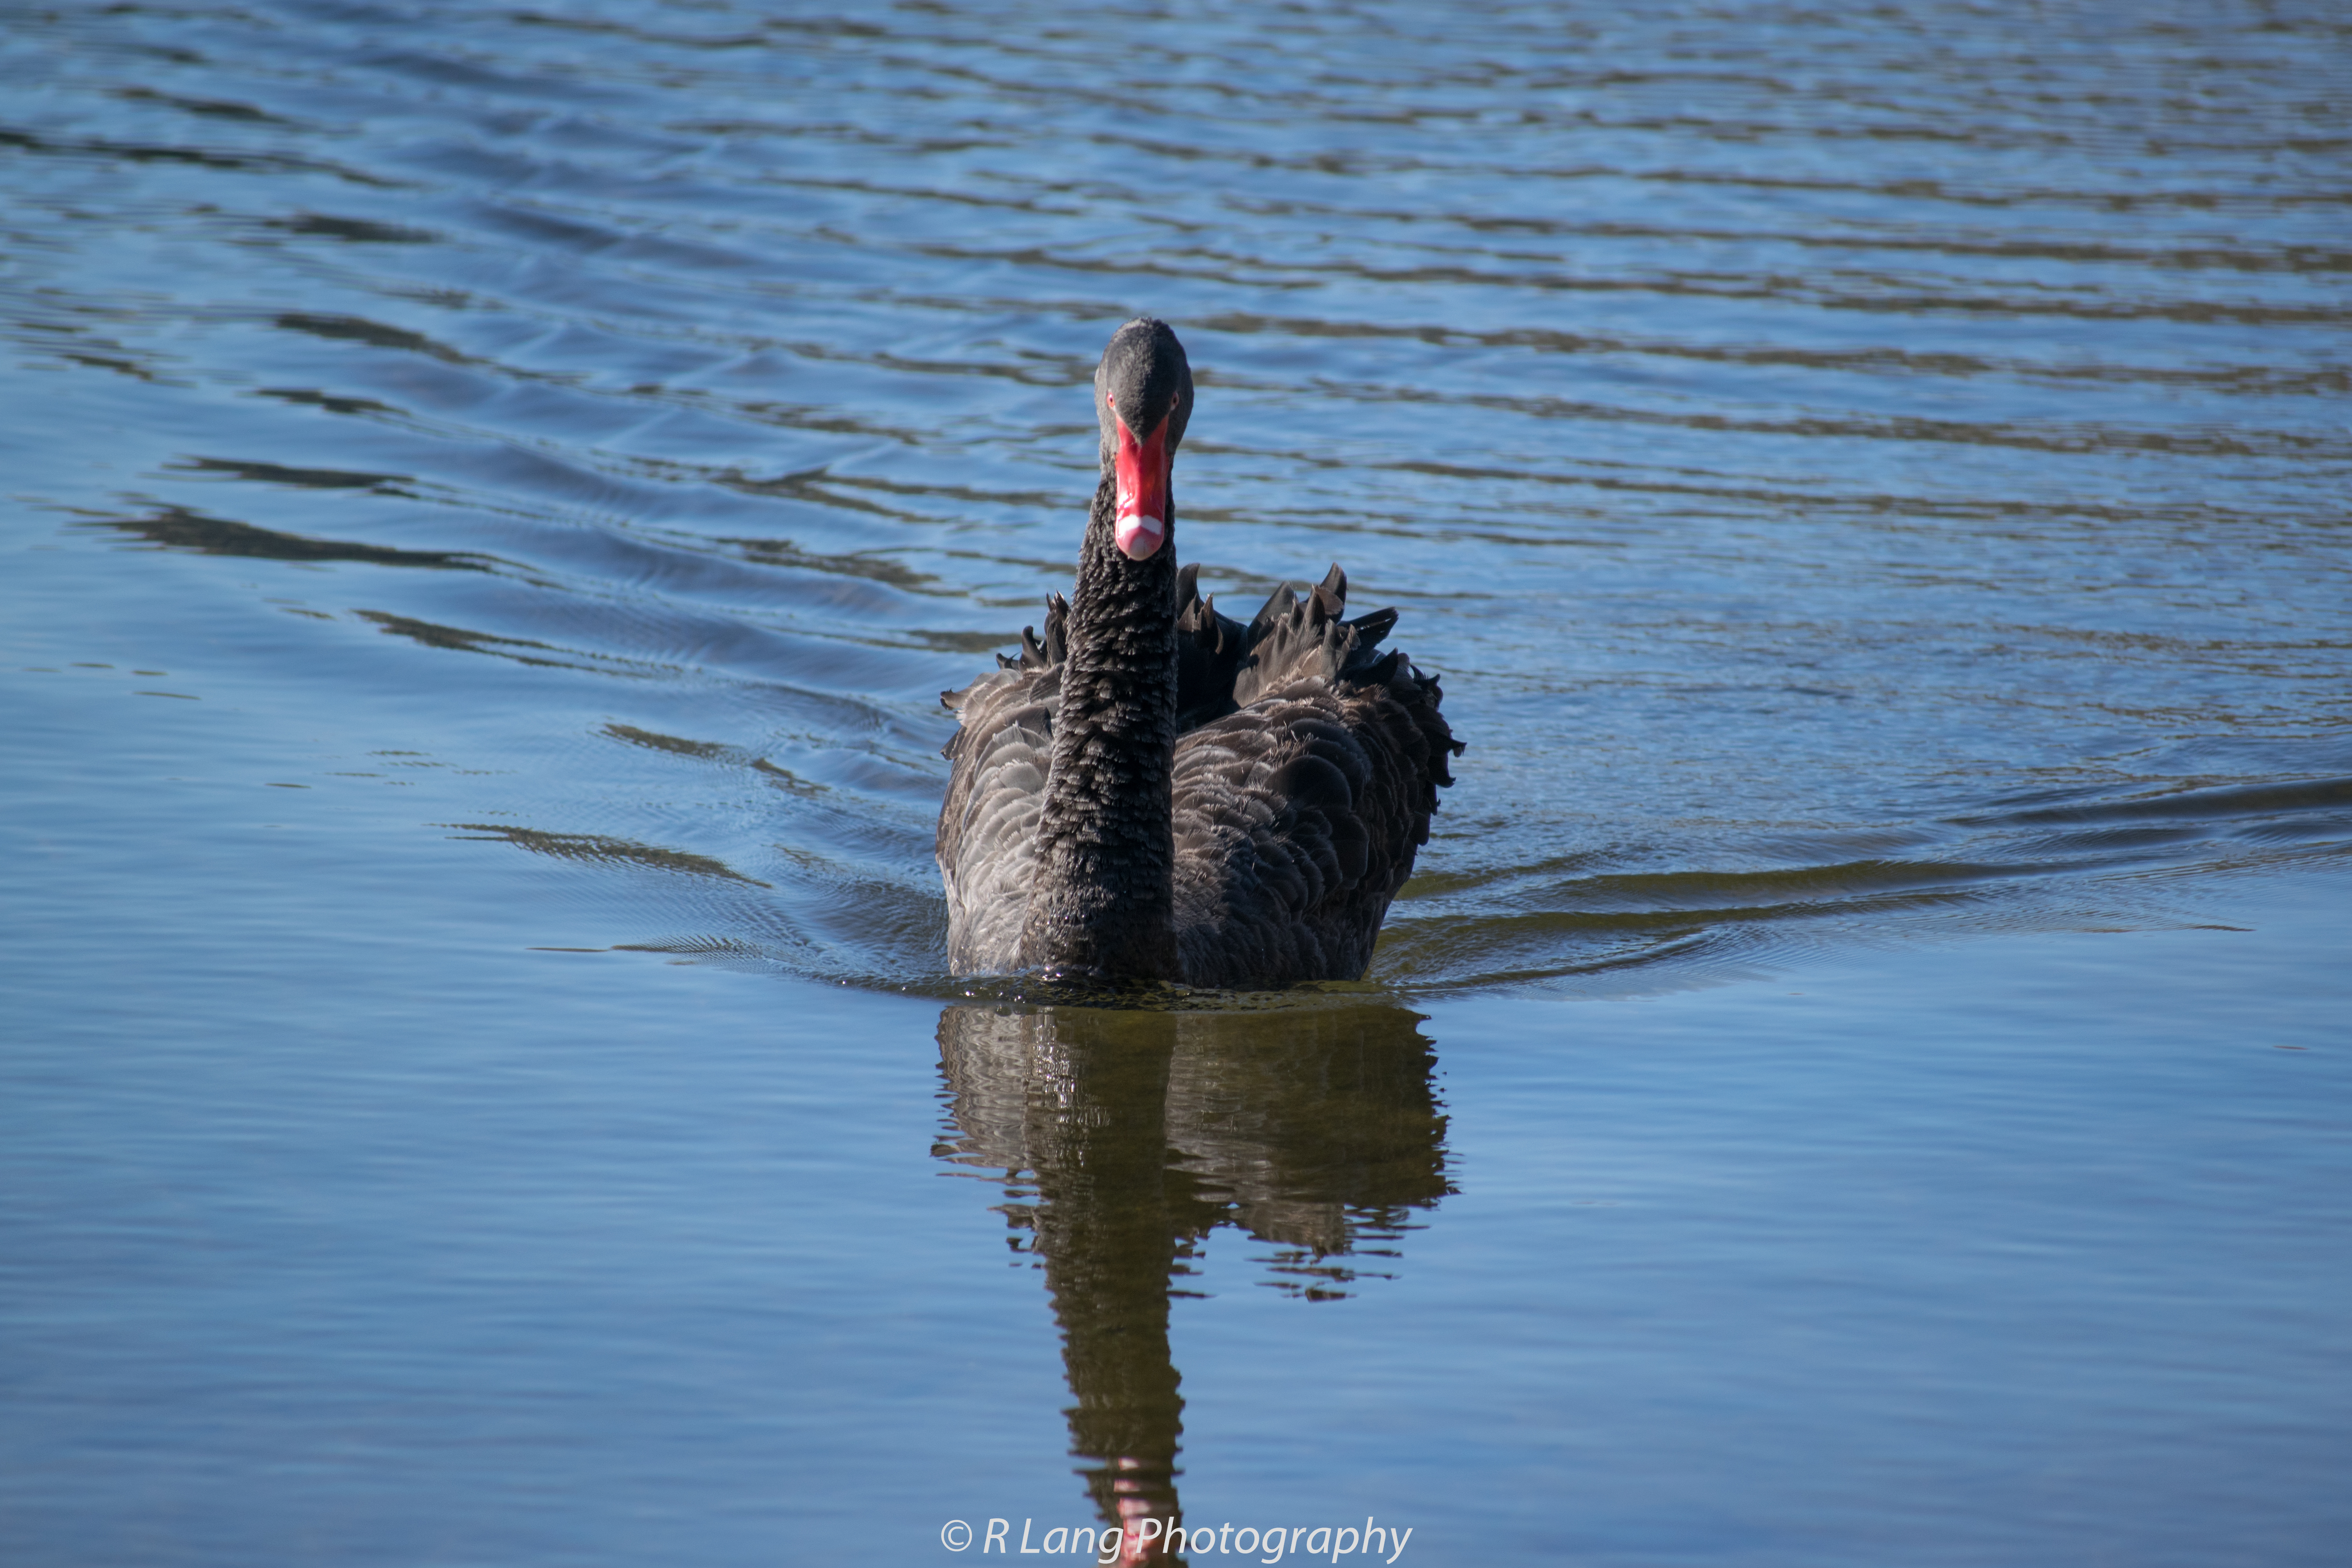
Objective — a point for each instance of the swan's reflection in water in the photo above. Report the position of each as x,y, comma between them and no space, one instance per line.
1125,1138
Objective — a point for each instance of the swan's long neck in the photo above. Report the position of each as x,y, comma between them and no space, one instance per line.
1102,905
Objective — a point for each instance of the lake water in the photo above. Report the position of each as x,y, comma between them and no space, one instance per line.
1859,1077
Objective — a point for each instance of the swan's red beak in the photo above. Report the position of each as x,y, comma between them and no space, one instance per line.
1143,471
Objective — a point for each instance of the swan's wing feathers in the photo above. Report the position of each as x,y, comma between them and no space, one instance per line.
1296,821
1035,654
1297,814
1224,664
1368,630
1057,628
987,842
1210,648
1417,692
1279,605
1293,641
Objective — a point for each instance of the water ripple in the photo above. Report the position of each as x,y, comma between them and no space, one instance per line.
1859,475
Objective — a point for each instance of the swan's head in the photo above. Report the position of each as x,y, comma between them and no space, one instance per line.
1143,395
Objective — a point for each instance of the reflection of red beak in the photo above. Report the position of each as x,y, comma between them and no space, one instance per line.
1142,1529
1142,470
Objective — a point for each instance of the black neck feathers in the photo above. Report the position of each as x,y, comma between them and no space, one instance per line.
1102,905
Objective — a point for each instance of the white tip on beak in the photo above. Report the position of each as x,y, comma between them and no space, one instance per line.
1139,537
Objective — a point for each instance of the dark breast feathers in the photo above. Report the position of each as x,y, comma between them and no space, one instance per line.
1306,766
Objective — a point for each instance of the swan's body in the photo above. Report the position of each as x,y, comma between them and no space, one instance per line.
1156,792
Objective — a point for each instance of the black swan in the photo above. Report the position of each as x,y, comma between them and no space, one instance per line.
1156,792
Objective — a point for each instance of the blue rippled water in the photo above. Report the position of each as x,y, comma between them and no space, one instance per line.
494,494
